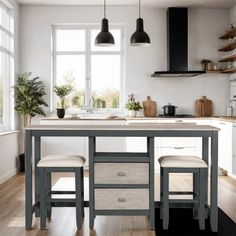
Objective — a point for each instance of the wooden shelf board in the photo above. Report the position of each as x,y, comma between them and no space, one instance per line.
228,47
230,71
229,58
213,71
230,34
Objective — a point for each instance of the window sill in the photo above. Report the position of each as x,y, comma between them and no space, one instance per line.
7,132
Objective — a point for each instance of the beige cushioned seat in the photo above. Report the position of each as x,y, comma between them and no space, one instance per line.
182,162
62,161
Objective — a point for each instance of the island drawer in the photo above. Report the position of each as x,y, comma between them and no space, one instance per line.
121,173
121,199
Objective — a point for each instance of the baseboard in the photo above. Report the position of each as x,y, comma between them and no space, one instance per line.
232,176
8,175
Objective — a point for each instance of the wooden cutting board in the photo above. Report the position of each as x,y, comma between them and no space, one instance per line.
149,108
204,107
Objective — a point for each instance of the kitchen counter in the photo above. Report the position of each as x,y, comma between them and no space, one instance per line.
126,118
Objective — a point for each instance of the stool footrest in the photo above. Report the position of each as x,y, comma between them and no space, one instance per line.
66,200
181,193
183,201
61,192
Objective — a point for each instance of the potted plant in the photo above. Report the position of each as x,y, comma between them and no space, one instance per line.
62,91
132,106
29,101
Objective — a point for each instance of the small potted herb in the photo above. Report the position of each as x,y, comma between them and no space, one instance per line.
62,91
132,106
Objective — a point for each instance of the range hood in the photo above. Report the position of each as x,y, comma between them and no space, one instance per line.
177,45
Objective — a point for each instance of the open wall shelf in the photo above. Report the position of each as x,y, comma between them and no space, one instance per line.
228,47
230,34
231,58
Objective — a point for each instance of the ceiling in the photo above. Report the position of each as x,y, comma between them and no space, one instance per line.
148,3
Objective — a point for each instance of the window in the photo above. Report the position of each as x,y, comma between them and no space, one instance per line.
6,63
94,72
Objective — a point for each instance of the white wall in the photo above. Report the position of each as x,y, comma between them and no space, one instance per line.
9,143
9,152
205,26
233,15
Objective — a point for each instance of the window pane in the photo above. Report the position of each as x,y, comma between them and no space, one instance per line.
105,81
70,40
71,69
1,89
117,37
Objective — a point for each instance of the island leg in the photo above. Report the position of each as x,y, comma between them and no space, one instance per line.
92,148
37,157
214,181
150,149
28,180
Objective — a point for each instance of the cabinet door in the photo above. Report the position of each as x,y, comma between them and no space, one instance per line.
232,89
111,144
224,144
136,144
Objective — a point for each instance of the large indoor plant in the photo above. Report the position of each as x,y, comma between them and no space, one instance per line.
62,91
29,100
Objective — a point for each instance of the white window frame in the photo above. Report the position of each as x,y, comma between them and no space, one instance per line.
88,54
8,71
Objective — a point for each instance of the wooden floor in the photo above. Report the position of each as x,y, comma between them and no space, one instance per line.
63,219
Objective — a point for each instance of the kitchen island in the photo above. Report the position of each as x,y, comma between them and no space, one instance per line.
146,203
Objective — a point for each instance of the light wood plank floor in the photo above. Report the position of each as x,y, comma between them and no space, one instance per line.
63,219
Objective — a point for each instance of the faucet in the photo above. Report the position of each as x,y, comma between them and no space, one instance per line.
230,108
89,108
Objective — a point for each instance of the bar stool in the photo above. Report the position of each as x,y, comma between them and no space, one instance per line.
60,163
183,164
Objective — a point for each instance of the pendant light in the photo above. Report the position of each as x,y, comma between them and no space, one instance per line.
104,38
140,37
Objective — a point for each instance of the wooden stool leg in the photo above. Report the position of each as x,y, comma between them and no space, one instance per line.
78,197
82,189
165,198
42,198
49,189
202,186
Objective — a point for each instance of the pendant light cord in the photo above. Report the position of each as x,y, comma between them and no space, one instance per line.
139,8
105,15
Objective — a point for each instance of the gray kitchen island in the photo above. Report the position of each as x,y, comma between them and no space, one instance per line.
139,190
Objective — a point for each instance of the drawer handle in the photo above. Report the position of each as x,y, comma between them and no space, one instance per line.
179,121
222,123
121,173
121,199
178,147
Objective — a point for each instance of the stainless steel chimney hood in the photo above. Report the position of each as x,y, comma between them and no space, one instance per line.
177,45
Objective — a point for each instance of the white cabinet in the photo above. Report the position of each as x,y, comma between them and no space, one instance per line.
224,144
232,89
234,149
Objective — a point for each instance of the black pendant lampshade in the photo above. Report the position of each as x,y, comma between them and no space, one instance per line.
104,38
140,37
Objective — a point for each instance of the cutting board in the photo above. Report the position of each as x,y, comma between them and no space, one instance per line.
204,107
149,108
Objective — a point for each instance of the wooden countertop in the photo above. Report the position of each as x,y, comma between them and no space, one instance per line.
127,127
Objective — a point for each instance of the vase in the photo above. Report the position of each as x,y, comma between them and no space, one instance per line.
60,113
132,113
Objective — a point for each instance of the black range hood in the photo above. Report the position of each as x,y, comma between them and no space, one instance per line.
177,45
